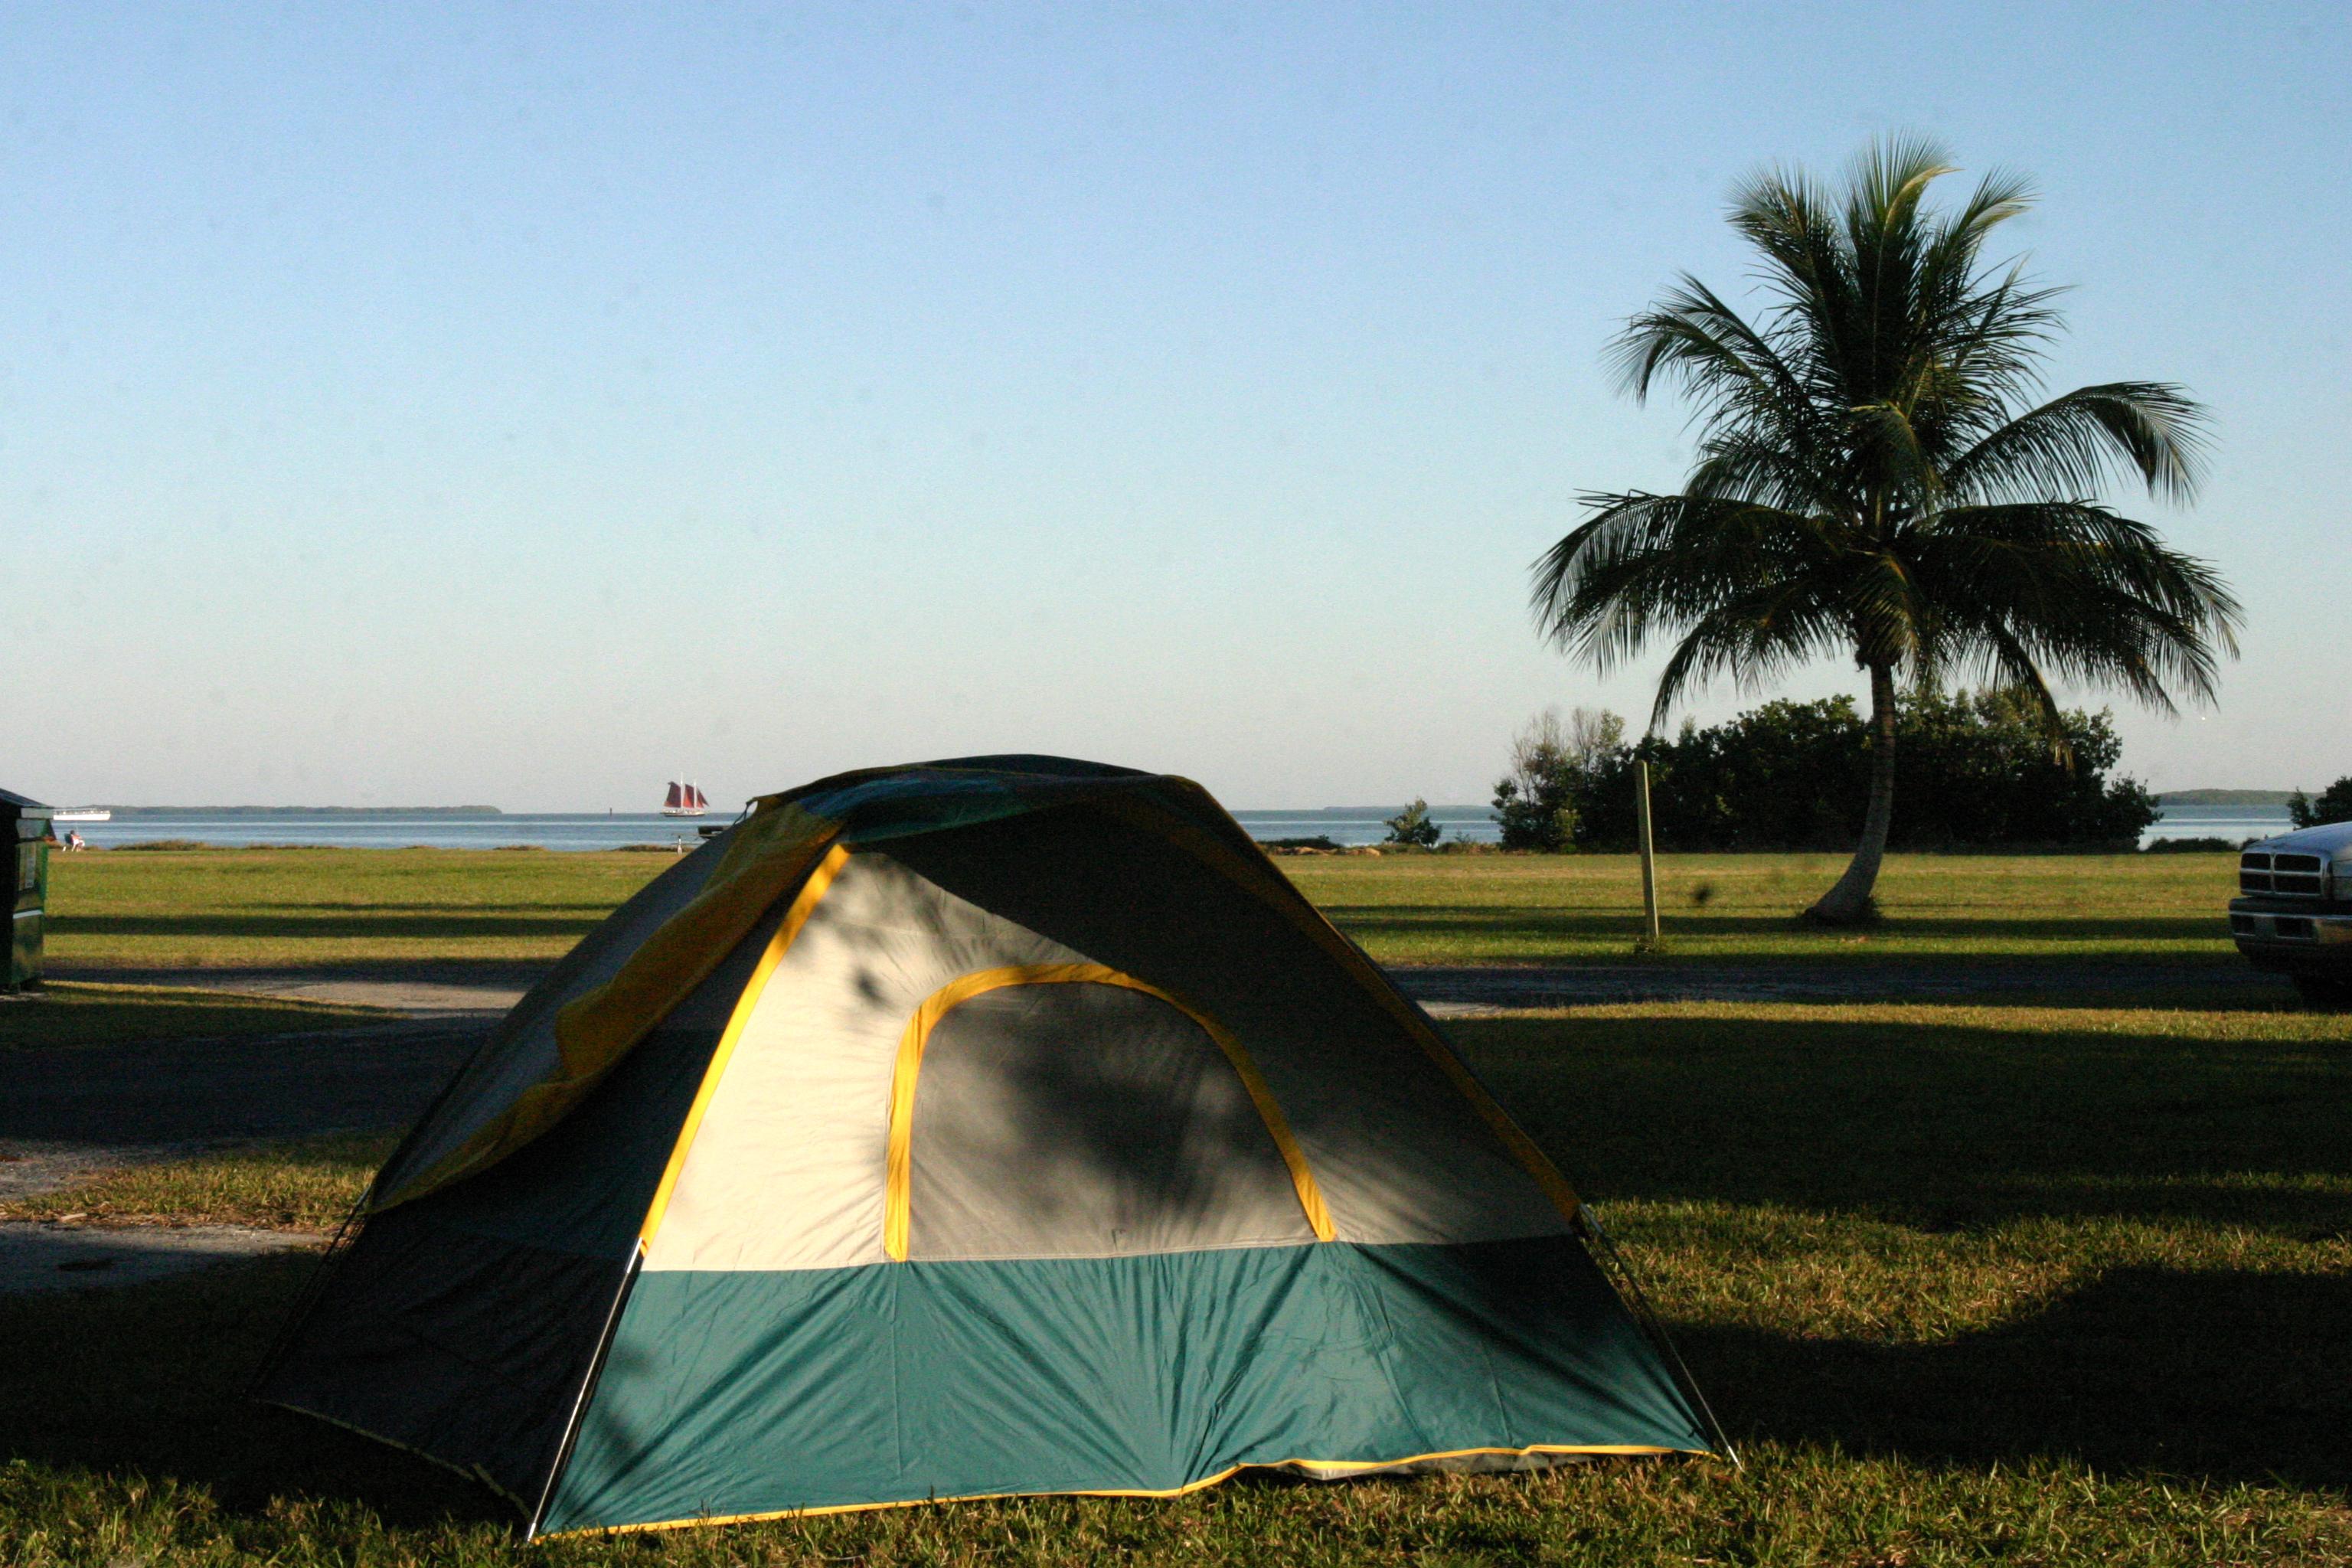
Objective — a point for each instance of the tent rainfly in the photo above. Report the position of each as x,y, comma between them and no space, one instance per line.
999,1126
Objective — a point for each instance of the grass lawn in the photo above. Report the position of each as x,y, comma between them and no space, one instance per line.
1536,908
71,1013
456,908
304,1183
2038,1286
276,909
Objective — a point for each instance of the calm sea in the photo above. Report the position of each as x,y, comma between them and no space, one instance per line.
583,830
344,830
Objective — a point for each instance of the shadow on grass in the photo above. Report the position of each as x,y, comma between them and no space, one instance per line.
1480,928
2221,1375
151,1381
513,971
345,922
2231,1377
1941,1126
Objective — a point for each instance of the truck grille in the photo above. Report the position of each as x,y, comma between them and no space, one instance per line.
2289,876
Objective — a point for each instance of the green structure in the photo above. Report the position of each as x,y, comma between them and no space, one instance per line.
1007,1125
24,827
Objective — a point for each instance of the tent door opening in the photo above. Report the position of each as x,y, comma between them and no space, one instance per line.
1073,1112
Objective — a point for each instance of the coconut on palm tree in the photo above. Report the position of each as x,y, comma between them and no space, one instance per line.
1878,477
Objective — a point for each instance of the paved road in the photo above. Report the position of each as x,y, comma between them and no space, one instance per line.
1470,991
482,991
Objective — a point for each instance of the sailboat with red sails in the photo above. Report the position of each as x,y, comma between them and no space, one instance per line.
685,800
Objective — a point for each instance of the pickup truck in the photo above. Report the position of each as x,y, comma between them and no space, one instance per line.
2292,914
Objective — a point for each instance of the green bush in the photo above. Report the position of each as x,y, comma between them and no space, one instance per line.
1553,762
2334,805
1413,827
1974,769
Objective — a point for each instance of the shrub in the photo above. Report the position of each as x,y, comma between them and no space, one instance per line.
1973,770
1553,763
1413,827
2334,805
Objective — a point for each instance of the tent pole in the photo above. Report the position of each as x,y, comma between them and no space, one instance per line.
587,1387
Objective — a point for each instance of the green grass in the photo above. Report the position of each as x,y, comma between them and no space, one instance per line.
1499,908
456,910
307,1183
70,1013
272,909
1968,1284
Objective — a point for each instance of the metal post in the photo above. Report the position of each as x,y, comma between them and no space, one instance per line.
1649,856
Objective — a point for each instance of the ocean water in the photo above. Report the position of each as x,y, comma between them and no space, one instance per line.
345,830
587,830
2235,823
1367,824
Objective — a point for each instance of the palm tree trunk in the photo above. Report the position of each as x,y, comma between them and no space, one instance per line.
1850,903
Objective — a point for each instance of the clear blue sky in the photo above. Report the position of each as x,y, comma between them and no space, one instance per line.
521,405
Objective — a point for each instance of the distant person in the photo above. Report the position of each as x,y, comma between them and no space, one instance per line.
74,840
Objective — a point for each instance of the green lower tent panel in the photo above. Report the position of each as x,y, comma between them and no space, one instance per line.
734,1394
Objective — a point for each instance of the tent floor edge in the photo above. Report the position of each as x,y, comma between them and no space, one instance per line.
586,1396
1319,1472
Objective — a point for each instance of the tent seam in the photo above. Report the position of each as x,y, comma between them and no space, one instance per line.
812,891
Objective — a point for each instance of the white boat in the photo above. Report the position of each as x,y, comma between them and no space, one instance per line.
685,800
82,814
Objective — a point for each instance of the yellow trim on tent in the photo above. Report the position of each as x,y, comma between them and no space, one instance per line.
763,857
820,881
1273,890
1318,1468
899,1182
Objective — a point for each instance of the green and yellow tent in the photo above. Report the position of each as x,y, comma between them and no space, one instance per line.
1005,1125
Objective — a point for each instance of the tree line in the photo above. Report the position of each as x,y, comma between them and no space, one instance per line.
1979,770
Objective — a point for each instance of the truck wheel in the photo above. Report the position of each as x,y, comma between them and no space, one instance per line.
2331,995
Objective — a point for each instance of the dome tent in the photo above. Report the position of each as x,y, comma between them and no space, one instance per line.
998,1126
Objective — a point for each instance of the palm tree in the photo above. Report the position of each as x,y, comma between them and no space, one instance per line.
1875,480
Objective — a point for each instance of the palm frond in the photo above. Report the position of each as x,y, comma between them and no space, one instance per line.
2074,444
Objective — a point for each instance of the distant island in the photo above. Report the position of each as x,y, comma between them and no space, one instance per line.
2225,797
123,811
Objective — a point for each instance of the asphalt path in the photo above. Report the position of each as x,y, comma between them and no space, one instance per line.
1468,992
